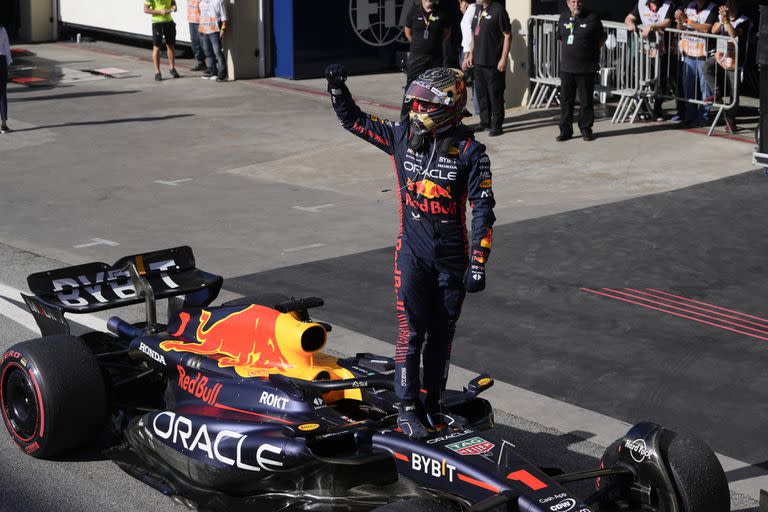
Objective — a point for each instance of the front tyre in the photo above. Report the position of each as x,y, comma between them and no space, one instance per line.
53,397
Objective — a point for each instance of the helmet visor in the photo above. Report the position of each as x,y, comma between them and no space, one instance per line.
418,91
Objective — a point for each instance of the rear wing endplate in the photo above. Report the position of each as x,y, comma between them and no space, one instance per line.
95,287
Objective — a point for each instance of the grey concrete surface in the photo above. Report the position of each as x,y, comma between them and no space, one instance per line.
256,175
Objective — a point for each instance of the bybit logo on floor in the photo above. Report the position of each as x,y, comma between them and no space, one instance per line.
377,22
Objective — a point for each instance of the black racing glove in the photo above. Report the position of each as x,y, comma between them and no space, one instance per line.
336,74
474,278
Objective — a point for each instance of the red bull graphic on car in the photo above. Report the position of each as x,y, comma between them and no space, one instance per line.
245,340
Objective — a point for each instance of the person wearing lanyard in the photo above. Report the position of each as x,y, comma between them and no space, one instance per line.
5,62
655,16
582,35
488,59
426,29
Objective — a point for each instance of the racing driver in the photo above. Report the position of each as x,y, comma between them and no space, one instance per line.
439,166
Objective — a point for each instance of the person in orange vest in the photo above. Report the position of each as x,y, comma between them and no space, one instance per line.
193,18
163,28
699,16
213,24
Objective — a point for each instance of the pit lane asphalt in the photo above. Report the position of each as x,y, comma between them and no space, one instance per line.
272,183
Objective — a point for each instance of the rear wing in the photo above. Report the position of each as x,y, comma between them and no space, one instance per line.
95,287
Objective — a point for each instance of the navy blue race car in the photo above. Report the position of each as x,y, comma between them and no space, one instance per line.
237,404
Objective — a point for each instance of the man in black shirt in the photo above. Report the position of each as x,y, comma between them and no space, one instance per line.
426,28
488,56
581,34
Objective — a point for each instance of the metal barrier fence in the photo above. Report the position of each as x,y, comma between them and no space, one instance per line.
703,67
634,68
632,65
545,66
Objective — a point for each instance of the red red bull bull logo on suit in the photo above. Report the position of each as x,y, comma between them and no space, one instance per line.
429,189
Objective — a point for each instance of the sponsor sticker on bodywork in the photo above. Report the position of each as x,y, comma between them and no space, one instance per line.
473,446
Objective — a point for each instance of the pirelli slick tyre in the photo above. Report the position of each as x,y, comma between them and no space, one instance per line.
52,395
696,475
414,505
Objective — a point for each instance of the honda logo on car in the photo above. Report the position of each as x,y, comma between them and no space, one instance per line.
180,429
434,467
564,506
639,450
151,353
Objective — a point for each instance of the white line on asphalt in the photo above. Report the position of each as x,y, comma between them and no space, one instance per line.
303,247
172,183
314,209
97,241
13,312
25,318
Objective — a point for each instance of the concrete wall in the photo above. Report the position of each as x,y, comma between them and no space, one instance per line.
242,40
517,73
36,20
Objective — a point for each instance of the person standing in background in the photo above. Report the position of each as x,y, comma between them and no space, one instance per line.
469,10
5,62
213,24
193,18
488,56
451,10
426,30
581,35
163,28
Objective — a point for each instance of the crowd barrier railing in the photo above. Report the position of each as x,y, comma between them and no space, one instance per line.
702,68
633,61
632,68
545,65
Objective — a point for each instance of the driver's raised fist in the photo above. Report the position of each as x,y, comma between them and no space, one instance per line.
336,74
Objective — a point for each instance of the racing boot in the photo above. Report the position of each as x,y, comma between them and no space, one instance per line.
408,421
440,417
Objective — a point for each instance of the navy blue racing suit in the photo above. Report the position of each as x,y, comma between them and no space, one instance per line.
432,250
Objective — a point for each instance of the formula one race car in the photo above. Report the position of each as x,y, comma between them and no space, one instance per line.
237,404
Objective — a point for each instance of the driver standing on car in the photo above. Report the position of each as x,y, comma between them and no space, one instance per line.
439,166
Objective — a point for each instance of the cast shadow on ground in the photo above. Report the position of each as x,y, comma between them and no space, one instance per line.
755,470
109,121
72,95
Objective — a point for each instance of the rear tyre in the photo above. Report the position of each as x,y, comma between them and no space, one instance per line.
53,397
413,505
